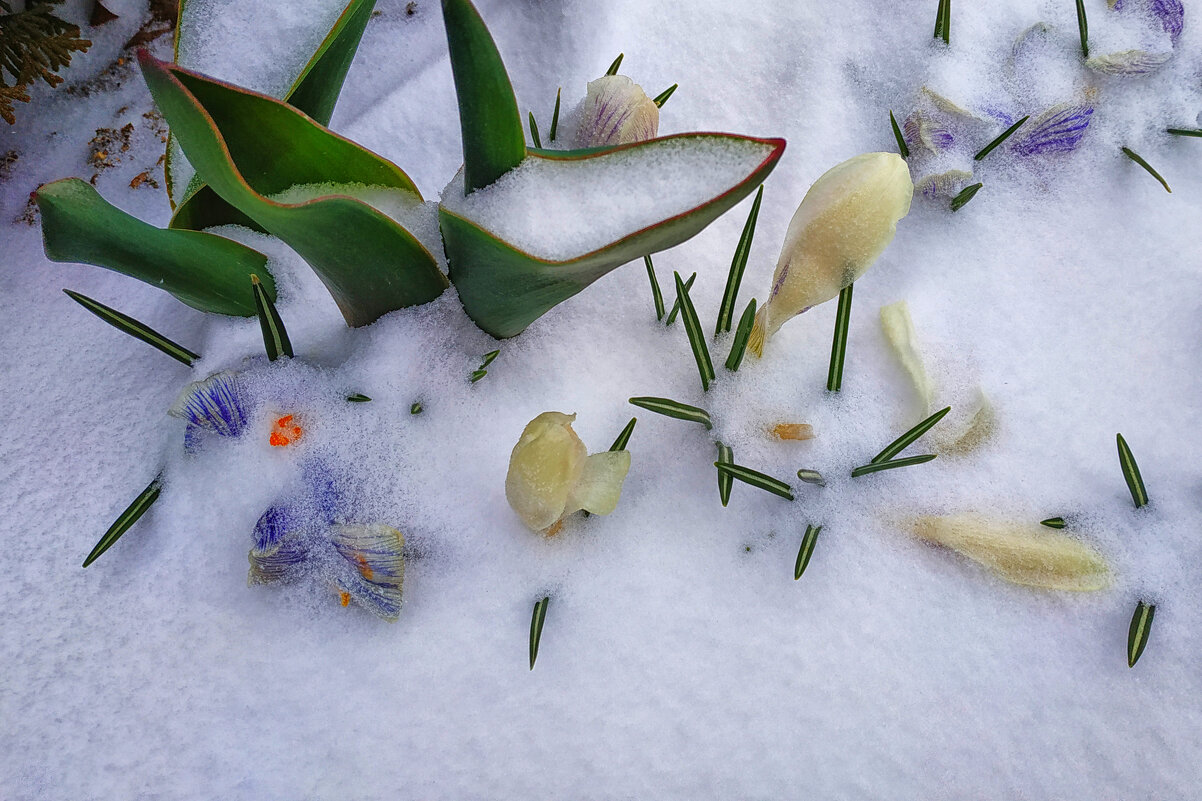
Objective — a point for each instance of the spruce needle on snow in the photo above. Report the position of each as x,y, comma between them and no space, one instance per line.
135,328
834,377
536,627
897,134
738,264
675,409
985,151
808,541
1138,159
1135,482
756,479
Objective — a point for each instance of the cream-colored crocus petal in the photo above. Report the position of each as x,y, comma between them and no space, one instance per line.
1025,554
845,221
543,469
600,484
979,429
899,330
616,111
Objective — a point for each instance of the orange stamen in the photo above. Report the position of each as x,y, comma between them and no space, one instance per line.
285,431
345,597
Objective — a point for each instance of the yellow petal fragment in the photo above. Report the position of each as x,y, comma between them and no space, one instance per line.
600,483
980,429
899,330
1030,555
792,431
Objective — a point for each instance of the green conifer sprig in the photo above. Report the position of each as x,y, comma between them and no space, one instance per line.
34,44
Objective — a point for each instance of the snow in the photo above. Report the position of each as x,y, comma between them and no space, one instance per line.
563,209
679,658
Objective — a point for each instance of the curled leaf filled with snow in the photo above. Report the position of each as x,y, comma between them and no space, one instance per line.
369,262
551,474
845,221
616,111
1026,554
562,219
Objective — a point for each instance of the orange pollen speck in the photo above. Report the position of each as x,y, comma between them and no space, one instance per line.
345,598
364,569
285,432
792,431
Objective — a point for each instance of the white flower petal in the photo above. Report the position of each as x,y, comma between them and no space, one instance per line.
979,429
600,483
616,111
899,330
1024,554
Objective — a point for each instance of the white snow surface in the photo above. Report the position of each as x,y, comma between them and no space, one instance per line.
679,657
561,209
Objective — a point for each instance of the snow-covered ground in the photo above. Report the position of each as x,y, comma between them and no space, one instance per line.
679,657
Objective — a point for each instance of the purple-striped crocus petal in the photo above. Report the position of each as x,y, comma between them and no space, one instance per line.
215,404
1171,15
1057,130
282,560
274,525
316,507
374,556
1128,62
616,111
920,129
944,185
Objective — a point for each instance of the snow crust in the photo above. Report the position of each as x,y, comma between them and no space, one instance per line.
679,657
559,210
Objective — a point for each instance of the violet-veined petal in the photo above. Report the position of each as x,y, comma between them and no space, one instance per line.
1128,62
374,554
1171,14
1057,130
943,185
283,559
216,404
616,111
922,130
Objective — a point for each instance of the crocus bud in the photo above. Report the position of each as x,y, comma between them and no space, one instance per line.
844,222
551,474
616,111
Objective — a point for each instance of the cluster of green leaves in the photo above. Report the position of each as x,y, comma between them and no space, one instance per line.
232,137
34,45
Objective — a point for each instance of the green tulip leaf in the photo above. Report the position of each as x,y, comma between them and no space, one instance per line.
315,92
248,146
509,278
205,271
493,141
